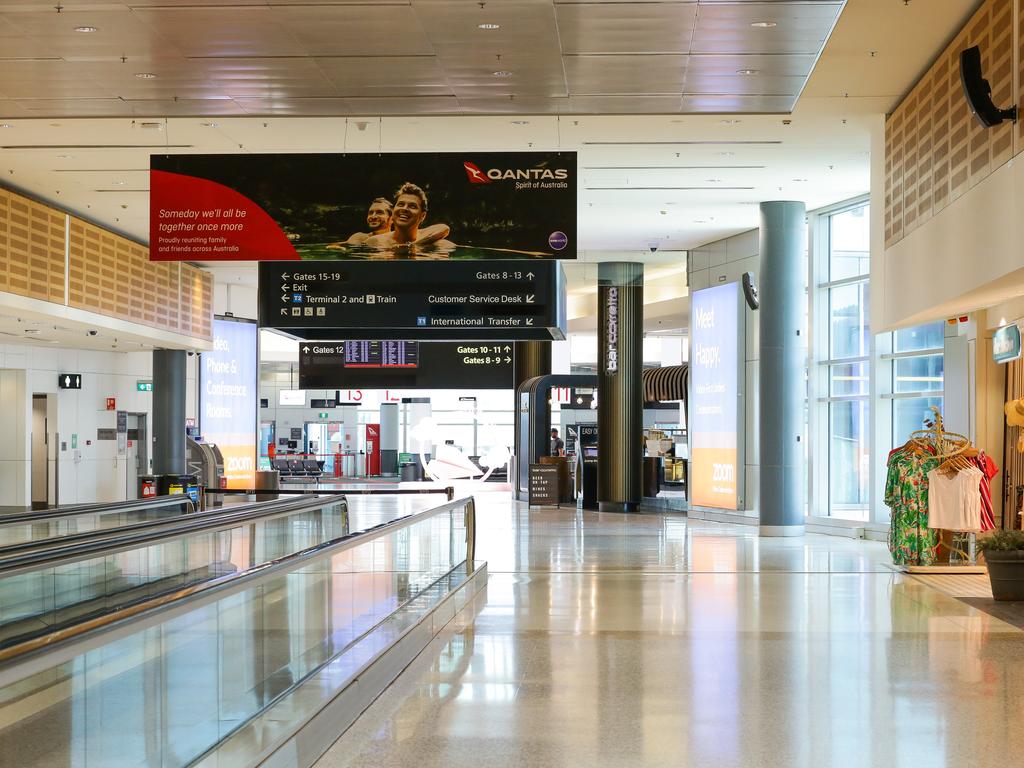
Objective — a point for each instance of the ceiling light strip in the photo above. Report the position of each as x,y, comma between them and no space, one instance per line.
652,189
676,143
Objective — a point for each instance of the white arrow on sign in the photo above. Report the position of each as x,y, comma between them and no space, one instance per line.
508,348
284,310
285,297
508,359
529,321
305,349
530,275
285,276
530,297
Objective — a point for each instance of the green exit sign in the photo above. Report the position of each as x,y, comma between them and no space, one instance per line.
323,414
144,386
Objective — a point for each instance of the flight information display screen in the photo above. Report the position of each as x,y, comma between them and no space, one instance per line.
381,354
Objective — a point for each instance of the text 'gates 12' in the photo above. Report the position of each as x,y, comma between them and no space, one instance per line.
228,381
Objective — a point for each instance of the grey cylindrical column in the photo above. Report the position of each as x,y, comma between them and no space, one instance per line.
389,438
783,362
620,344
531,358
169,412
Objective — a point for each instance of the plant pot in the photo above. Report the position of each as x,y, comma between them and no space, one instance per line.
1006,573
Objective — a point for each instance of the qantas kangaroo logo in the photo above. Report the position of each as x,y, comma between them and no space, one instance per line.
476,176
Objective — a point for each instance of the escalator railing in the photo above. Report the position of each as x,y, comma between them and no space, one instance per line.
166,680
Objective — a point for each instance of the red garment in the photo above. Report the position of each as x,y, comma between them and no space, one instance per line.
989,470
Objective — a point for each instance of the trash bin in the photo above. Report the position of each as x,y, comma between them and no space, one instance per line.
586,483
410,472
267,480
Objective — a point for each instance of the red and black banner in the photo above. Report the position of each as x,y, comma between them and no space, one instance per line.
279,207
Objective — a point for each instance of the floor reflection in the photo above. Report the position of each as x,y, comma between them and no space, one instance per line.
610,640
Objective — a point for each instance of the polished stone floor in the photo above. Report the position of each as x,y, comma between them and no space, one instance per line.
611,640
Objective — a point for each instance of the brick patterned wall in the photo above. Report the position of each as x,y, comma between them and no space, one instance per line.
104,272
935,150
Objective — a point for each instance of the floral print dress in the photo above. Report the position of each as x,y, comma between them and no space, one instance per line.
911,542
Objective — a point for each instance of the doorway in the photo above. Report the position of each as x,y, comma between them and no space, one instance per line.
43,485
137,457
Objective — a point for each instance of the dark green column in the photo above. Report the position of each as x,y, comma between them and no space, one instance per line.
620,319
169,412
531,358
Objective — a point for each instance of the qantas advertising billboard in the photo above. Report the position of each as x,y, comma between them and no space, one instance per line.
391,206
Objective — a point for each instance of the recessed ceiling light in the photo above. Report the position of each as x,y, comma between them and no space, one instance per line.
145,75
663,213
6,125
502,73
798,180
86,29
520,122
729,122
699,221
487,25
763,24
748,71
119,183
210,125
63,157
726,154
713,181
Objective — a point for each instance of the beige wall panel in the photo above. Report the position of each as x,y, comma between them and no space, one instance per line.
910,148
5,204
960,128
940,134
923,208
894,137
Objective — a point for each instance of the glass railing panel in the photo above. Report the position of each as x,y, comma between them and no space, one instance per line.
84,522
59,595
164,695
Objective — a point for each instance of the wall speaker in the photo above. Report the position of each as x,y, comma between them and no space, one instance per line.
979,92
750,290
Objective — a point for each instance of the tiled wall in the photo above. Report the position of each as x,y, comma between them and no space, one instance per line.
935,150
96,472
48,255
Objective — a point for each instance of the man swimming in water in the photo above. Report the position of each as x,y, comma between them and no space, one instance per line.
409,211
378,220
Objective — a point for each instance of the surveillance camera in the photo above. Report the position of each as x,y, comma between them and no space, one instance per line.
94,333
191,353
653,247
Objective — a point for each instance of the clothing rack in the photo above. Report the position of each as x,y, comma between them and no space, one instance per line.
949,449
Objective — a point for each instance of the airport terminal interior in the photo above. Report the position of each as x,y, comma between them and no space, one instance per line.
520,382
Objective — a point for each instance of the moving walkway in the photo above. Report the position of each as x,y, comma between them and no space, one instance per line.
221,642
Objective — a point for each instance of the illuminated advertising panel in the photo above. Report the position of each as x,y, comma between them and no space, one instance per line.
363,206
228,383
716,397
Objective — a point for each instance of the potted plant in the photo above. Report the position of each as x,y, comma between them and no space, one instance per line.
1004,555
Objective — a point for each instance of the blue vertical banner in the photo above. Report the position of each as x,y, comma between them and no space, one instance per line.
228,388
716,357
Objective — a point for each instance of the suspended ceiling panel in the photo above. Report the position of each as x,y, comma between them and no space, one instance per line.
218,57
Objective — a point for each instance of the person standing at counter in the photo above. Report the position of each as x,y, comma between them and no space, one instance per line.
557,445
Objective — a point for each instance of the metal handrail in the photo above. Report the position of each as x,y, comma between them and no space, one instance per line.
195,596
43,553
449,491
56,513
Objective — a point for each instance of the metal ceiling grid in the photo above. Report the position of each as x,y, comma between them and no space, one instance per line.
337,57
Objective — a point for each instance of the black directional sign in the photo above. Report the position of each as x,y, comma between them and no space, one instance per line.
405,364
69,381
414,300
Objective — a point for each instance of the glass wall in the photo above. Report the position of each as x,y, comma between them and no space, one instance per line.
844,360
859,379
